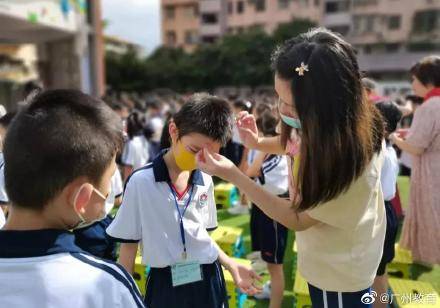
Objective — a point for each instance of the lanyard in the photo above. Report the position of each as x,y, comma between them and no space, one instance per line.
181,215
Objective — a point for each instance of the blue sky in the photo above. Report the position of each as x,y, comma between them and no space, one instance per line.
134,20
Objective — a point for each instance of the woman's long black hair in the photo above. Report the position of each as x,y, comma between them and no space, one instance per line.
341,131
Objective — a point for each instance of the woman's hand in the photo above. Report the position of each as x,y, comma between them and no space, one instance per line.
215,164
247,129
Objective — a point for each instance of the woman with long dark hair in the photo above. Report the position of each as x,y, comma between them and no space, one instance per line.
334,140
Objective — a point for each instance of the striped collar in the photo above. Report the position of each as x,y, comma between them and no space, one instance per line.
36,243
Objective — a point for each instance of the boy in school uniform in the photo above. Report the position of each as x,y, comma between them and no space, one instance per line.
268,236
72,140
93,238
390,170
4,201
169,207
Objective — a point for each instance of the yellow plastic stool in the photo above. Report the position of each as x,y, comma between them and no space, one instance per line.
236,298
139,274
301,292
412,294
225,194
401,264
230,240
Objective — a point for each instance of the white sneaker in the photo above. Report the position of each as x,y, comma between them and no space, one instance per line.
265,293
239,209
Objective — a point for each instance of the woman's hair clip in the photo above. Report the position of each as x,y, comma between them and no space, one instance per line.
301,69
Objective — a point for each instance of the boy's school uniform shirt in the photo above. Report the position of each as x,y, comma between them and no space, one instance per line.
274,174
136,152
3,195
389,173
2,219
44,268
116,191
148,213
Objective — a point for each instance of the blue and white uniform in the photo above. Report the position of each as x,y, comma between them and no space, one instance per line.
44,268
267,235
148,214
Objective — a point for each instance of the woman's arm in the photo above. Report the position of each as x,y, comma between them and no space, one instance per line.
405,146
270,145
279,209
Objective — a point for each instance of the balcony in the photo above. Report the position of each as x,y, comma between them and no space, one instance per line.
211,30
178,2
337,19
210,6
391,62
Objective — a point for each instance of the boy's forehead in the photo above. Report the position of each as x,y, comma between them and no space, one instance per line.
201,141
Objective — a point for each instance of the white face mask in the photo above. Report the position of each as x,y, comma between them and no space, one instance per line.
83,223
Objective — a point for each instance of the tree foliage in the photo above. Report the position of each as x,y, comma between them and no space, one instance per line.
236,60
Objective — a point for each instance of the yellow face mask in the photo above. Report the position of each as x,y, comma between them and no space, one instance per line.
185,160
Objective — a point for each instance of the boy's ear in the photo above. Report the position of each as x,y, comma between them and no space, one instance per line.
173,131
81,197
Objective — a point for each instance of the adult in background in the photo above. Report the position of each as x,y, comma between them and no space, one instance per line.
420,230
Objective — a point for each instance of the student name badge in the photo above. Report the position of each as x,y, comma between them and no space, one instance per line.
185,273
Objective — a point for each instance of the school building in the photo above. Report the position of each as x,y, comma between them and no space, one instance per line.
56,42
390,35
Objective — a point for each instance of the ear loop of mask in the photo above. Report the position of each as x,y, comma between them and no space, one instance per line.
82,220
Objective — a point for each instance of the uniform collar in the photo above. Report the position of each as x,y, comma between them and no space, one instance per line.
161,174
36,243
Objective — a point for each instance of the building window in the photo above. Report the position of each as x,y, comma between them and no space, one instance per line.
240,7
209,39
230,7
170,12
304,3
209,19
283,4
364,2
170,38
369,23
337,7
426,21
260,5
191,37
190,11
394,22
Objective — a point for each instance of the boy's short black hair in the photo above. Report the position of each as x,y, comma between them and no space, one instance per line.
391,115
244,105
207,115
267,124
60,136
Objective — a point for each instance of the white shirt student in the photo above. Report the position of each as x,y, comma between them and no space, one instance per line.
389,173
115,191
135,154
148,213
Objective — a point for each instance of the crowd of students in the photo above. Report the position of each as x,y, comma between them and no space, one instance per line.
316,157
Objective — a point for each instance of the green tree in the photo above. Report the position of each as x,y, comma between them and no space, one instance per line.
295,27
